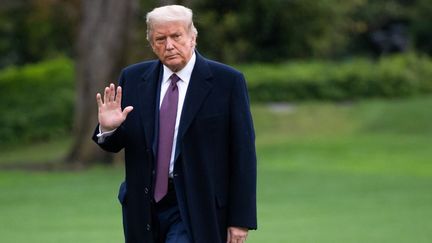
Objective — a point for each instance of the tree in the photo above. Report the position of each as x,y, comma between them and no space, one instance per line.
101,48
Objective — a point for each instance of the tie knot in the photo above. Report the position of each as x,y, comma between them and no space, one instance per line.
174,79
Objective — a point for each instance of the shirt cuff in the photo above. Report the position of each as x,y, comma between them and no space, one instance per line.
103,135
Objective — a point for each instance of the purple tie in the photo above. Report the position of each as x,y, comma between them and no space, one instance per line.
167,120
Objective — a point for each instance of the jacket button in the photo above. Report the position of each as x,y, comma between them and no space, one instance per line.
146,190
148,227
153,172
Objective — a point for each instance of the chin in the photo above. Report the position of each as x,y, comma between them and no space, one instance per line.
174,66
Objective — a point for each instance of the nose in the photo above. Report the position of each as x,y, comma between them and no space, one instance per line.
169,44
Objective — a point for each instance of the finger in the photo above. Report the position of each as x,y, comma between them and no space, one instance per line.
112,94
126,111
228,236
99,100
236,239
118,97
106,95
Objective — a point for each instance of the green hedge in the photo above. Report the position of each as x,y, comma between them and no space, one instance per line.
36,101
391,76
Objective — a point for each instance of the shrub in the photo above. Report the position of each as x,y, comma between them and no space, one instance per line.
36,101
390,76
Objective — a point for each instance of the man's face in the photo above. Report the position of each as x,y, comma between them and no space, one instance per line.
173,44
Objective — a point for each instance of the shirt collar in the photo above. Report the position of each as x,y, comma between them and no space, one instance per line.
184,74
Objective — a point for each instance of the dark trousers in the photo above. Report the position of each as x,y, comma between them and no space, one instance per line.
171,227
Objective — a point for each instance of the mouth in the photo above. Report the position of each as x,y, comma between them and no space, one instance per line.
171,56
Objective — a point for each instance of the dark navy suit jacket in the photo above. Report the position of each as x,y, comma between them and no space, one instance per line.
215,161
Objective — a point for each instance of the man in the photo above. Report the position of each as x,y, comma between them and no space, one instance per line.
189,141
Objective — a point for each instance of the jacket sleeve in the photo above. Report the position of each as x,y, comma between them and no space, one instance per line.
243,165
112,143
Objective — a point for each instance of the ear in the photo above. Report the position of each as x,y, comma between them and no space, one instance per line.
193,41
152,46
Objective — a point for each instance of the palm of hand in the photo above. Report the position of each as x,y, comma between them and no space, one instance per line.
110,115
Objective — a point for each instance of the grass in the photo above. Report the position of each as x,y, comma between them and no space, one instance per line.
36,153
328,173
60,206
346,173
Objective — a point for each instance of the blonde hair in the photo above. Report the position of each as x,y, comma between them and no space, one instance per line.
170,13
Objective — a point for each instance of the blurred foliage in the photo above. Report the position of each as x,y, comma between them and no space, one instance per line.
275,30
235,31
36,101
421,30
33,30
389,76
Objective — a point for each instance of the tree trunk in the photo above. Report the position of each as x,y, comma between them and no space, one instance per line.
101,49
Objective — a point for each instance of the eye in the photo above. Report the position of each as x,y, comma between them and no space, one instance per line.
177,36
160,39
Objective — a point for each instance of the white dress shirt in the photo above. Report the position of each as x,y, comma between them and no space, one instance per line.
183,84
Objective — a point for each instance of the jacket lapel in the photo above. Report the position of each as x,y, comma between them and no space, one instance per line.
199,87
148,95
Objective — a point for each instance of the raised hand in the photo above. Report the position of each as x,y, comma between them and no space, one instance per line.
110,114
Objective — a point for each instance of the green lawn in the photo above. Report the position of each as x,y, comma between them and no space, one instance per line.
359,172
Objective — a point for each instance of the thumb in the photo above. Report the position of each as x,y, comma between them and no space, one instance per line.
228,235
127,110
